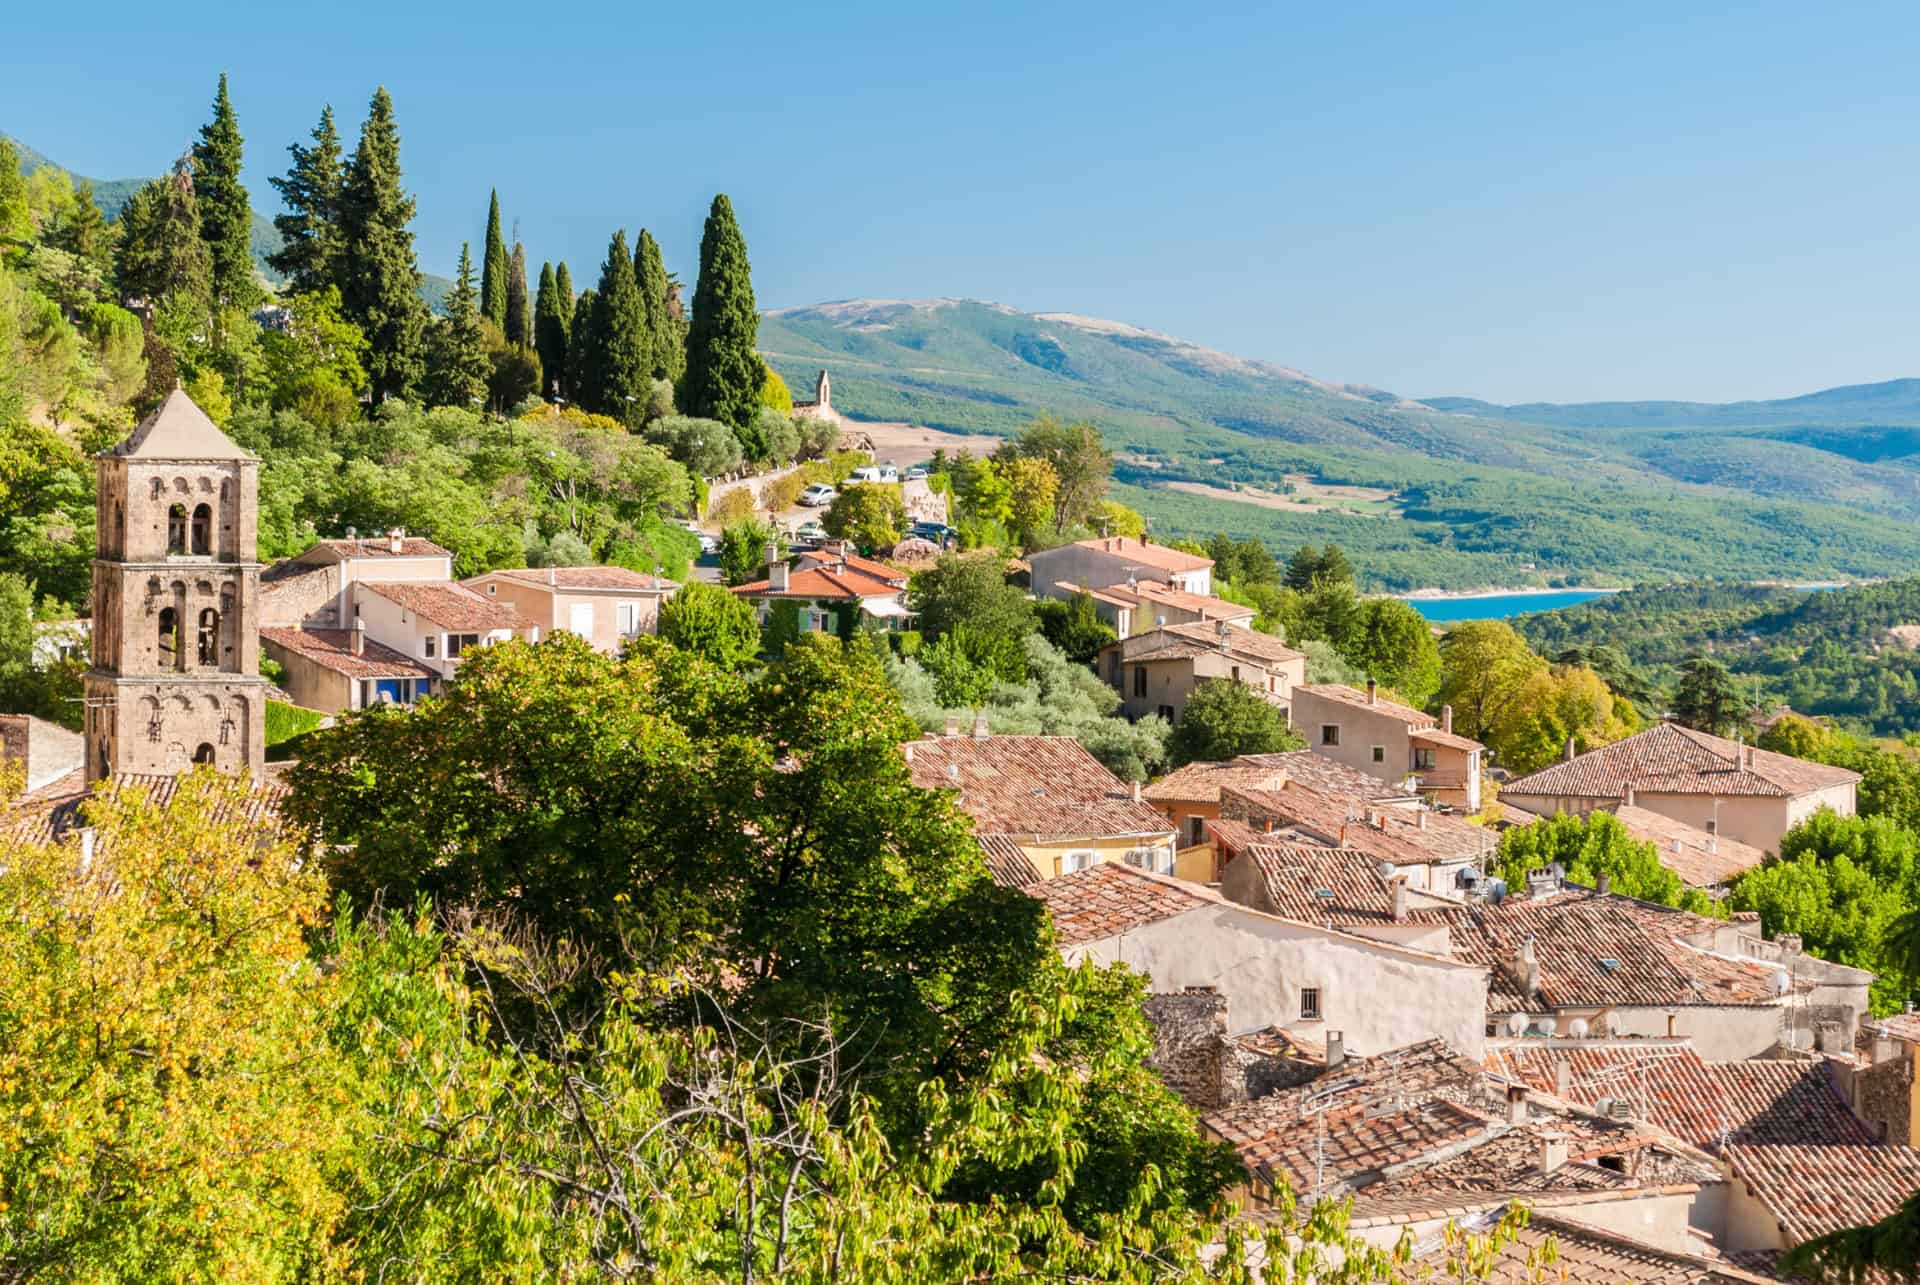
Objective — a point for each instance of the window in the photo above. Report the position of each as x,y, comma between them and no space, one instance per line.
1713,826
580,619
1422,760
430,645
493,590
203,530
1330,733
1310,1004
1081,860
1196,829
204,754
169,636
628,616
1139,680
1379,753
1236,673
209,638
457,643
1166,712
177,529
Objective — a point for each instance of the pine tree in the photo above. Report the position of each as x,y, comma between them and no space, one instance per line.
723,369
226,217
618,372
665,341
493,269
381,280
85,233
578,344
162,256
550,332
519,325
563,289
311,253
16,224
458,366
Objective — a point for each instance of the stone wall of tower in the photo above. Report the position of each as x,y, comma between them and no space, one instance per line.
176,639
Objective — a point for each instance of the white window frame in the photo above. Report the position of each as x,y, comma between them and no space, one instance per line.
1313,997
1078,859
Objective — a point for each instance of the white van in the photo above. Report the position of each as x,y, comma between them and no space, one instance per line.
874,473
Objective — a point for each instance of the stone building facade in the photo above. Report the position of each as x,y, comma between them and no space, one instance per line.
176,639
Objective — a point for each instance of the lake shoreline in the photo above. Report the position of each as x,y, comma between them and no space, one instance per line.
1467,595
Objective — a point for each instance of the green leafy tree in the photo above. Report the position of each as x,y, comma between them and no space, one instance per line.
313,366
16,222
871,514
162,256
743,550
579,345
493,267
1310,566
723,366
226,216
550,337
706,446
563,292
513,372
1590,846
380,283
1887,1250
1074,626
519,327
458,368
313,240
970,590
1484,667
1707,699
774,393
666,338
1224,719
1394,643
711,623
617,373
83,231
1079,461
1618,672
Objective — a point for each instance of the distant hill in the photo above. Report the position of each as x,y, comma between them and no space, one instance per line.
1896,401
113,194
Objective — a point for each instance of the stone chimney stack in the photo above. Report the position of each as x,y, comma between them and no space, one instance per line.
1626,797
396,540
1446,719
953,725
1571,753
1373,692
1562,1077
777,569
357,636
1136,791
1516,1104
1402,903
1553,1152
1604,884
1336,1050
980,732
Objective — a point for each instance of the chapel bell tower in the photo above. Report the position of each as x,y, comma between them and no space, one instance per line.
176,629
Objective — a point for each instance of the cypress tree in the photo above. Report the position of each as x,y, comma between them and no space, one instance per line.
381,280
519,322
310,254
563,289
668,349
619,374
550,332
162,255
723,369
459,366
493,269
578,343
226,217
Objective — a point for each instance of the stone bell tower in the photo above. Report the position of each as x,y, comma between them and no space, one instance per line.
176,629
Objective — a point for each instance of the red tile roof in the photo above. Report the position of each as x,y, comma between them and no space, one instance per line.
1047,786
333,649
1601,1257
1346,695
1143,552
1201,782
581,578
1203,637
1007,861
853,561
450,605
1445,740
1700,859
1404,836
842,583
1815,1190
379,546
1900,1026
1321,885
1670,759
1112,898
46,818
1666,1083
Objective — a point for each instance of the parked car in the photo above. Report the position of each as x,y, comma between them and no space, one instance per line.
708,543
938,532
818,496
918,473
810,531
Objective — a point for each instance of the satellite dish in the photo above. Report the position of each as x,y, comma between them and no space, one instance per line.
1543,1025
1386,870
1578,1028
1782,982
1517,1024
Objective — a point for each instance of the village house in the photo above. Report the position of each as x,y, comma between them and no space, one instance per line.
1141,606
826,586
604,605
1314,983
1115,560
1190,795
1883,1083
314,588
1042,806
1725,788
1779,1196
1335,887
1433,851
1701,860
1394,742
1156,672
44,752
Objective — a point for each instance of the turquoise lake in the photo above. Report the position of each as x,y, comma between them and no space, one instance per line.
1498,606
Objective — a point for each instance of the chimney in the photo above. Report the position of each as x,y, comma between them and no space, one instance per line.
1446,719
777,573
1336,1050
357,636
1562,1077
1789,943
1570,753
1604,884
1401,901
1553,1152
1673,1025
909,751
1516,1104
553,576
953,725
980,726
1373,692
396,539
1626,797
1136,791
1746,757
1423,818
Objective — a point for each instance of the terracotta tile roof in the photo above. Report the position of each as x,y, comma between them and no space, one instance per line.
1670,759
1666,1083
1445,740
46,818
1239,639
1203,605
1143,552
1404,836
1700,859
333,649
451,606
1047,786
1321,885
852,560
840,583
1201,782
1601,1257
1815,1190
379,546
1354,696
1111,898
1595,950
1901,1026
581,578
1231,838
1007,862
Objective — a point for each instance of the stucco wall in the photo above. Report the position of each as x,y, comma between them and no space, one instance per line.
1051,859
1360,730
1382,998
1719,1034
1056,571
311,684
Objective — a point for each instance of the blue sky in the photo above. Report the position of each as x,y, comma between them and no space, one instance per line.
1517,202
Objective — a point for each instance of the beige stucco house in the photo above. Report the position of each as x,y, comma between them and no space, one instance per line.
1138,607
1156,672
824,585
1114,560
1721,787
314,589
1391,741
604,605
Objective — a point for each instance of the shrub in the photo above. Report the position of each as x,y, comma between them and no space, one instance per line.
783,492
734,506
286,721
